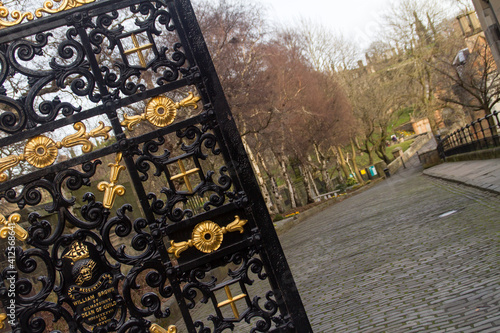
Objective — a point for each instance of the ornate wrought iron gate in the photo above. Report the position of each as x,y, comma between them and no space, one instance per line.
124,181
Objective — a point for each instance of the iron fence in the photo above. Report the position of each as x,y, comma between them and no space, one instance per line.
479,134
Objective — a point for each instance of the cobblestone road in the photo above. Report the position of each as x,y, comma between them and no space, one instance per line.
412,254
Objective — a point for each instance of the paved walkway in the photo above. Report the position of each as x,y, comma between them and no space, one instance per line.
481,174
413,254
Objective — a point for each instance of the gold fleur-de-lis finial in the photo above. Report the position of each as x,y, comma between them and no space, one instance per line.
41,151
3,317
111,189
155,328
11,224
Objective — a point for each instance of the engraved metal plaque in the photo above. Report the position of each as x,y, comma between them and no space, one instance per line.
89,284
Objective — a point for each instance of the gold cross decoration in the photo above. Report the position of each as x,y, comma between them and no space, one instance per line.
11,224
231,300
138,49
185,175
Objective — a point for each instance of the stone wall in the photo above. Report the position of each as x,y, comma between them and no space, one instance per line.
419,142
484,154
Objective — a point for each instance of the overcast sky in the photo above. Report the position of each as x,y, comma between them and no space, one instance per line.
358,19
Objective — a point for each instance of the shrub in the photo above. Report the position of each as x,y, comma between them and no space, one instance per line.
351,181
340,187
277,217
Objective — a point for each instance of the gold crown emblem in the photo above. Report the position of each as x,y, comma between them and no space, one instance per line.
78,251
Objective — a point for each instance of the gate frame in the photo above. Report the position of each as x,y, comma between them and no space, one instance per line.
211,91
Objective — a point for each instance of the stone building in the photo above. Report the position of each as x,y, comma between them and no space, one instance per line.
488,12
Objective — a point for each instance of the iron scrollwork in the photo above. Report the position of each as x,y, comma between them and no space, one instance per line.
206,184
19,56
247,264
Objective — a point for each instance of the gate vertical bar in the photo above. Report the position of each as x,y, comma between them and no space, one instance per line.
279,267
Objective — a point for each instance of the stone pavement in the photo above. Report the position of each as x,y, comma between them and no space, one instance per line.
483,174
411,254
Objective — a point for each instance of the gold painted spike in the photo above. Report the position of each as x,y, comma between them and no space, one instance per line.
155,328
160,111
206,237
3,317
12,224
111,189
48,6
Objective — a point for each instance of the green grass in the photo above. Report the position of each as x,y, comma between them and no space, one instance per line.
404,145
362,161
404,116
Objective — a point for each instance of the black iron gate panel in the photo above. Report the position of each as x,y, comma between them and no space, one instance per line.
128,203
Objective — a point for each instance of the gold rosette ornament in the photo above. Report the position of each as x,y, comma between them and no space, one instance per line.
160,111
41,151
207,236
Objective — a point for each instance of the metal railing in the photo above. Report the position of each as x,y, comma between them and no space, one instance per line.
482,133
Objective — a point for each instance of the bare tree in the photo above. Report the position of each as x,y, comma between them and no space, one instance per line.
474,78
